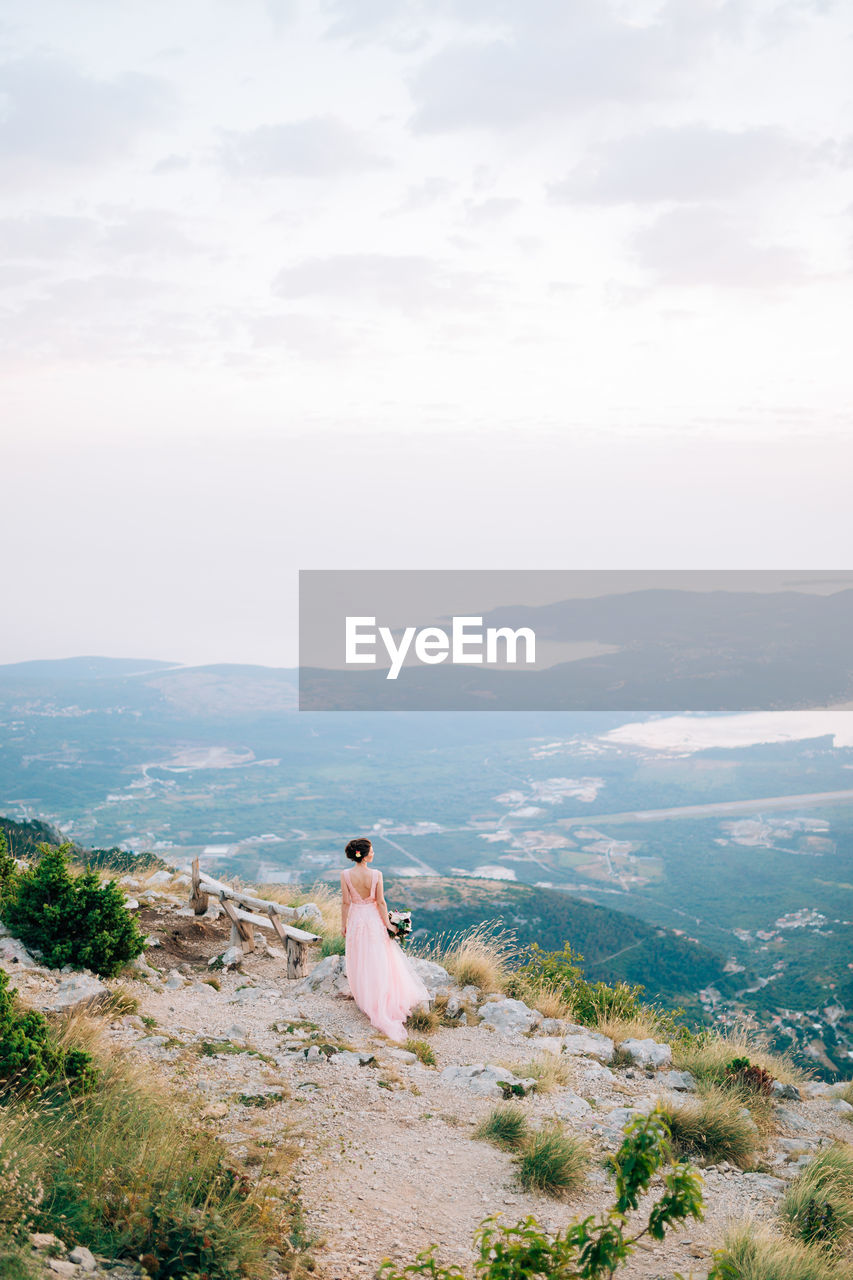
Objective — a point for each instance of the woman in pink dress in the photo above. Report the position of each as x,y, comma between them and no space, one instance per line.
383,983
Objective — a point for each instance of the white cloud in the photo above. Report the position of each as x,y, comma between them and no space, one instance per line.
55,115
409,283
318,147
697,246
684,163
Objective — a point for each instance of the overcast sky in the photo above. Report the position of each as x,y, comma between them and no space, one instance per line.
377,284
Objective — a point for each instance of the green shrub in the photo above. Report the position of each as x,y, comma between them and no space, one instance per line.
8,870
72,919
31,1059
560,973
749,1076
553,1161
713,1128
590,1248
505,1126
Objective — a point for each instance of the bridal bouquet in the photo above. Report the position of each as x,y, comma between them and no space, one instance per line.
402,920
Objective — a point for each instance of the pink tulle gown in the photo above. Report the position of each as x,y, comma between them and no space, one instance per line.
383,983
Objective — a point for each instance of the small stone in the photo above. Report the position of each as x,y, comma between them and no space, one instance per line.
348,1057
83,1257
843,1108
680,1081
402,1055
62,1267
789,1091
175,981
42,1240
232,958
766,1182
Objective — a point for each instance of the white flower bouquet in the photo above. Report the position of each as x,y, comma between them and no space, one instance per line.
402,925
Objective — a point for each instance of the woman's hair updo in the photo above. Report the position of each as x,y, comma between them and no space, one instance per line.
358,849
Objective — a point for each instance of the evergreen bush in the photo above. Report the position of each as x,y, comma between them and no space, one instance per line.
71,919
30,1057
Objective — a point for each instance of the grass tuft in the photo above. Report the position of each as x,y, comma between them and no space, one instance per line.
423,1020
707,1055
553,1162
547,1069
421,1050
752,1252
505,1126
713,1128
477,957
818,1205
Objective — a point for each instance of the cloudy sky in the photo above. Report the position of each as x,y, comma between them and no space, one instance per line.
386,284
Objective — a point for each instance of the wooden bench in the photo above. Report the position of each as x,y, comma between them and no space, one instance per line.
244,922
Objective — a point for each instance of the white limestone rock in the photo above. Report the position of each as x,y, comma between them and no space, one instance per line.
510,1017
75,991
582,1042
648,1053
328,977
486,1079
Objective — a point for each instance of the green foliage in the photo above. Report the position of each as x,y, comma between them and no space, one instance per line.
422,1050
562,972
505,1126
72,919
31,1059
8,870
123,1172
553,1162
335,946
589,1249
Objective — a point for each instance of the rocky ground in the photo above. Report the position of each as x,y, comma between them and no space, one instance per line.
382,1146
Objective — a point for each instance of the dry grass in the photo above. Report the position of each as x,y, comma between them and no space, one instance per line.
547,1069
707,1056
752,1252
712,1128
540,994
642,1027
425,1020
125,1171
477,957
324,895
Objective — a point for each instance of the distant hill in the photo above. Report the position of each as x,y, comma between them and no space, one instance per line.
614,945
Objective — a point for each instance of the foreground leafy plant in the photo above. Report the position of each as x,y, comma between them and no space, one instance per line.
591,1249
71,919
31,1059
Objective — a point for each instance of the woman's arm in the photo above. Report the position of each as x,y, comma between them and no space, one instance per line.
345,900
380,902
